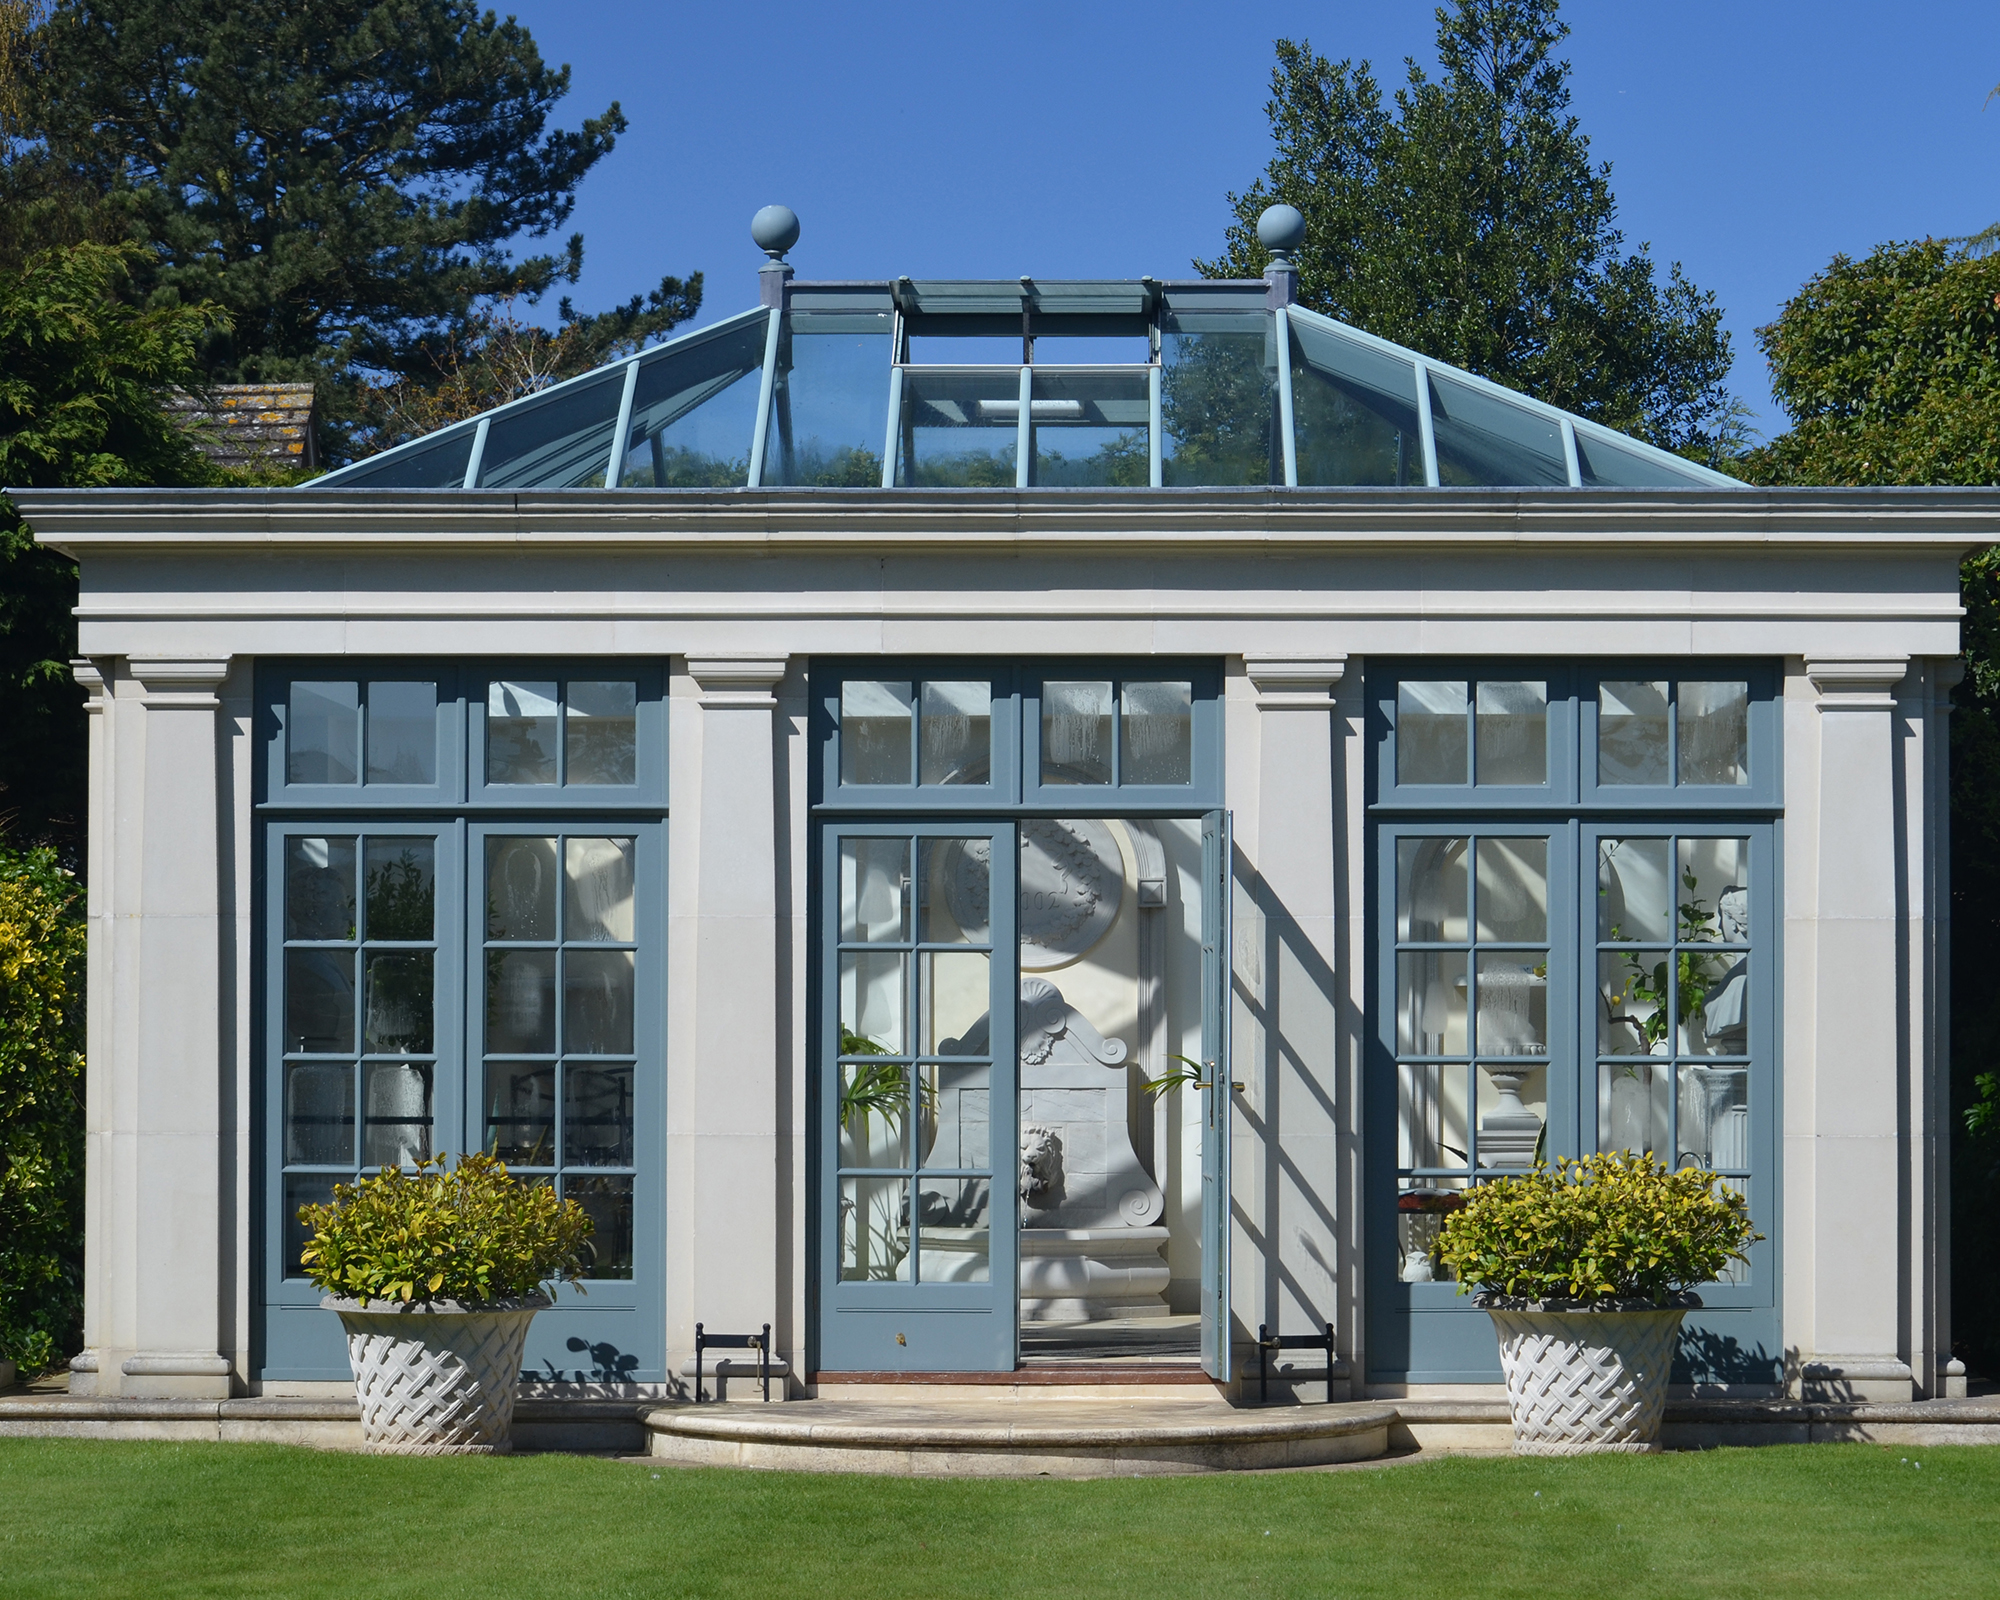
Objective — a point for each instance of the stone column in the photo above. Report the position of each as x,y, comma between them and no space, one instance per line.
1858,1118
1287,1114
728,1052
157,1069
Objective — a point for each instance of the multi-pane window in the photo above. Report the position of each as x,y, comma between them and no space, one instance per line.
559,991
359,1029
546,732
1573,872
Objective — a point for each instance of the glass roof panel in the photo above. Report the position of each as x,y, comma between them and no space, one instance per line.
1090,428
1354,409
694,410
1486,439
1219,399
561,440
830,402
438,462
1607,464
960,427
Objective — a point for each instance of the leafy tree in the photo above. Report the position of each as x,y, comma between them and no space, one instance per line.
41,1109
1468,222
1889,368
342,178
81,373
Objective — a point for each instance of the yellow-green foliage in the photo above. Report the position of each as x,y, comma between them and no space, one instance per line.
1608,1227
41,1107
468,1233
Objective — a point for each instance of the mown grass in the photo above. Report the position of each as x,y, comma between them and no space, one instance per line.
162,1520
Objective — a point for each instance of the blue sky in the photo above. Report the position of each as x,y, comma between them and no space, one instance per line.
1749,140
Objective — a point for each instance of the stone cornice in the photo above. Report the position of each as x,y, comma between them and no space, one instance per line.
82,522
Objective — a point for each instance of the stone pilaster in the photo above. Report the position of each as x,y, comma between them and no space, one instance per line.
1857,1120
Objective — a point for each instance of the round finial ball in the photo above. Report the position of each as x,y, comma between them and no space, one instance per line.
1281,229
775,230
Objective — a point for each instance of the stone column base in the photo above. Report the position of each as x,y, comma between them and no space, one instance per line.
174,1375
1857,1378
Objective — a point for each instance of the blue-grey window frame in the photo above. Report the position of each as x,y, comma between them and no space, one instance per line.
1016,787
449,809
1579,811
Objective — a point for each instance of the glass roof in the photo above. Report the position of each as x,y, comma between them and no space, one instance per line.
1025,383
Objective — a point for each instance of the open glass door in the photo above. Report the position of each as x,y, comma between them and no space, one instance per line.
918,1120
1217,1094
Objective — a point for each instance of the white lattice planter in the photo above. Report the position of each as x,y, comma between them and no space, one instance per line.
1584,1382
437,1379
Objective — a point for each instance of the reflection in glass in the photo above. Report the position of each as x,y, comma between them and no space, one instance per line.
520,732
1714,890
1513,1004
1090,429
602,719
1430,1003
1354,410
521,1113
402,733
439,465
1431,1115
319,1113
1219,399
955,732
1513,890
319,888
694,412
1430,890
1635,1003
607,1201
1719,1006
401,892
1635,897
955,906
872,996
564,442
521,888
830,402
1156,732
1604,463
874,891
1076,732
597,1002
874,1229
1511,723
400,1009
953,1230
1714,1118
397,1127
302,1190
1633,1100
521,1002
957,999
323,733
319,1002
1714,730
1632,733
597,890
597,1115
1430,732
961,428
1485,438
875,728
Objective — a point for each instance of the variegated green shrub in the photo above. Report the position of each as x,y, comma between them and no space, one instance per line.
1608,1227
468,1233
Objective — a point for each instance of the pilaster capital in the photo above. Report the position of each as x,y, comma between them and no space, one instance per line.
1947,674
91,677
1851,684
1294,683
181,683
737,683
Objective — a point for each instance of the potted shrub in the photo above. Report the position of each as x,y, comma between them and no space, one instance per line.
436,1275
1587,1270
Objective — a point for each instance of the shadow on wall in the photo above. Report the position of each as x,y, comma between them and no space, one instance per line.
1710,1361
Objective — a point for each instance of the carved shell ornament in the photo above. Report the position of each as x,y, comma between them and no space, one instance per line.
1072,880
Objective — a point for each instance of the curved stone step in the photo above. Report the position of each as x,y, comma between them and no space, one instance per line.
1065,1438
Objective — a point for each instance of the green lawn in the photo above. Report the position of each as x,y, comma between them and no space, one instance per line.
161,1520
